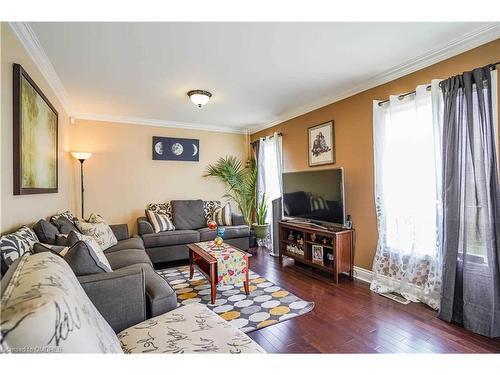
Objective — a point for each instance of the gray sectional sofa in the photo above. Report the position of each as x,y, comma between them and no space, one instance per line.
133,276
133,288
190,220
28,323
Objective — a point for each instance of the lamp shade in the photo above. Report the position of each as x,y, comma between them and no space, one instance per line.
81,155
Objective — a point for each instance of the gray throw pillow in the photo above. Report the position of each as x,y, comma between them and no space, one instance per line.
40,247
64,225
188,214
92,244
61,239
46,232
80,257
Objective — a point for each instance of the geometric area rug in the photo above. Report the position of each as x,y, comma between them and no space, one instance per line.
267,303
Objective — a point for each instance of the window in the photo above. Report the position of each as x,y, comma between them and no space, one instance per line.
406,174
272,177
408,168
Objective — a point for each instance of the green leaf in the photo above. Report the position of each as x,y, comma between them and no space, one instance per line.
240,181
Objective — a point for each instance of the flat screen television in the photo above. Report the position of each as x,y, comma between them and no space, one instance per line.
315,196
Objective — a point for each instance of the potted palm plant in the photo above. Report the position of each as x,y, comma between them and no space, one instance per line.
261,228
240,180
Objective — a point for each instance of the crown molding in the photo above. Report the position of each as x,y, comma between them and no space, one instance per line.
29,40
454,47
161,123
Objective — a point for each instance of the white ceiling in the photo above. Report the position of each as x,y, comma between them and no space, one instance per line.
259,73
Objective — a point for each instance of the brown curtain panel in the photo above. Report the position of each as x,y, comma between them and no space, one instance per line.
471,205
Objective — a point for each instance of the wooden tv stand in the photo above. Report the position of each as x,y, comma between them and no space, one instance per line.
336,241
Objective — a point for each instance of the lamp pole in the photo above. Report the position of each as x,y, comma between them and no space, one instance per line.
81,157
81,182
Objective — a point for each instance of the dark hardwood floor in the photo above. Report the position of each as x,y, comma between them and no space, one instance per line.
349,318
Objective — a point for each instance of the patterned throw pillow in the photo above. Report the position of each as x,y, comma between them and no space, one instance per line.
222,216
160,222
97,228
74,237
14,245
318,203
161,208
66,214
61,319
209,208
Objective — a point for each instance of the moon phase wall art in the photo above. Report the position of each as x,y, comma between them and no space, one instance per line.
183,149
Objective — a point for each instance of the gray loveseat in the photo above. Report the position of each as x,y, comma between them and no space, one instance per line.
190,220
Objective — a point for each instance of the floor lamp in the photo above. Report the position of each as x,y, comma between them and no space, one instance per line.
81,156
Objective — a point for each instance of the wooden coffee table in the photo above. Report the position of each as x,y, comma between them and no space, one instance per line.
207,265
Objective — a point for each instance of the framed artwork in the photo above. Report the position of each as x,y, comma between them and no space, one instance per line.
182,149
321,144
35,138
317,254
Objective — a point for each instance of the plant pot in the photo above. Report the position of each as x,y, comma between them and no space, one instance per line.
261,230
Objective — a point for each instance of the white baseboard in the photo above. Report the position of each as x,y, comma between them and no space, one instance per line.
363,274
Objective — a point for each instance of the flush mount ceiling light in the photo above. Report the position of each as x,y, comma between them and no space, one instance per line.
199,97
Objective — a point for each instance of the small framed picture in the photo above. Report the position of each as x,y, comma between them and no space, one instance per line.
317,254
321,144
348,222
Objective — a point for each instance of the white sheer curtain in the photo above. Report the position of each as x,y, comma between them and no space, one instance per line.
269,169
407,146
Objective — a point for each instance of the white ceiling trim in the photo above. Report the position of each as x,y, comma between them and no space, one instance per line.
34,48
160,123
28,39
456,46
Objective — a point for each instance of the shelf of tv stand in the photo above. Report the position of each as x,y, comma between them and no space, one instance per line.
320,244
327,266
340,246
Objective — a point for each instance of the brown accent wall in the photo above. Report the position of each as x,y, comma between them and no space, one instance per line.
121,178
354,145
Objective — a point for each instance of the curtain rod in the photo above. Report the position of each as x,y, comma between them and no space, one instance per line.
269,136
400,97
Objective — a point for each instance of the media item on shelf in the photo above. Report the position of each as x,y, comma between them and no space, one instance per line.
300,240
348,222
294,249
317,254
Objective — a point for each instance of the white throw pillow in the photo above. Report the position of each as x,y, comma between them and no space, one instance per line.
61,319
97,228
